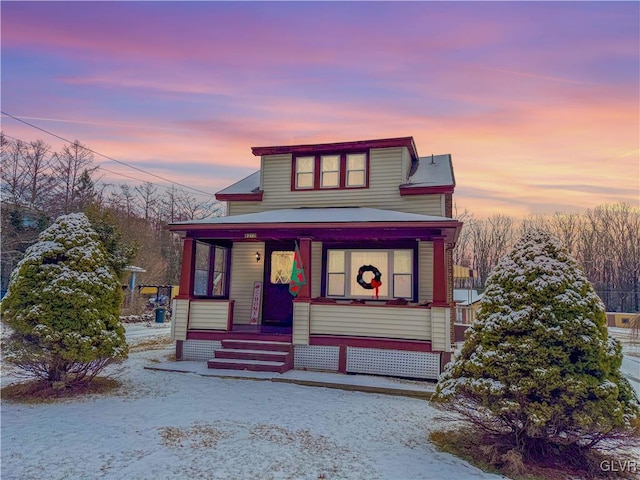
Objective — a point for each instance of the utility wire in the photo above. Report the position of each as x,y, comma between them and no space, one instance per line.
105,156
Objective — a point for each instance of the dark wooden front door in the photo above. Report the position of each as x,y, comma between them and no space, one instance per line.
277,307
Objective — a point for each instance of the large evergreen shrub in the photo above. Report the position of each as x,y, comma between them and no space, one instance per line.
538,372
63,305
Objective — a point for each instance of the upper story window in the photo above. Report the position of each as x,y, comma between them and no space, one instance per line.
356,171
305,167
330,171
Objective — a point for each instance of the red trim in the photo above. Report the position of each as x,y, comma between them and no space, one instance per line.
317,172
313,149
230,315
305,254
342,359
183,227
222,335
179,349
186,270
370,342
439,273
445,357
406,190
382,304
240,197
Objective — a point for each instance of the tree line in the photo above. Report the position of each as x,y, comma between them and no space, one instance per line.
39,184
605,240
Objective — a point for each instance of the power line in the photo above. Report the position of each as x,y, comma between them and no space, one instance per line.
103,168
105,156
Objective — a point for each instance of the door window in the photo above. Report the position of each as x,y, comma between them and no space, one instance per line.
281,266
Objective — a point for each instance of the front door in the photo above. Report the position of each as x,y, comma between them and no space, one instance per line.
277,308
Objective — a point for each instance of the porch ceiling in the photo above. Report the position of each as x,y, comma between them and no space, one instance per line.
339,223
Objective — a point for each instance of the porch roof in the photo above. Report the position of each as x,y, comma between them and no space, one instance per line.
333,222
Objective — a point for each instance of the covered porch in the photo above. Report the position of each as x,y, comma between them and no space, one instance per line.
235,285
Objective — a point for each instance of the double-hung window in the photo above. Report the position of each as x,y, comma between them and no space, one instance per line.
211,265
396,267
330,171
305,172
356,170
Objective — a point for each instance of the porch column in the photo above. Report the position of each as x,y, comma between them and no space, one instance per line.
302,303
186,271
305,256
439,273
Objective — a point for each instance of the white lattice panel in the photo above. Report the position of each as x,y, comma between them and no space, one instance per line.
200,350
316,357
397,363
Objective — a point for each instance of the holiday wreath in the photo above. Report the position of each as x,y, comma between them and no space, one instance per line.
375,281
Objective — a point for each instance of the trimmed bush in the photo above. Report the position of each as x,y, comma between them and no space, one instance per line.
538,371
63,305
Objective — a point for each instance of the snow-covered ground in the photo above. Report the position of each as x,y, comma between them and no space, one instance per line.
165,425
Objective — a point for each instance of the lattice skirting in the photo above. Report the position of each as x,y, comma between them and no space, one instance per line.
397,363
316,357
199,350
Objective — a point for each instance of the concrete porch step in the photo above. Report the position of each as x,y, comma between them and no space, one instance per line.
253,365
241,354
256,345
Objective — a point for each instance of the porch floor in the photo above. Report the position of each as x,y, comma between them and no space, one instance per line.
261,329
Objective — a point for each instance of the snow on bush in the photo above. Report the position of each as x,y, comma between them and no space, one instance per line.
538,365
63,305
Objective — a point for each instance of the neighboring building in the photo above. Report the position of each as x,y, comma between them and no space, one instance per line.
621,320
359,211
467,304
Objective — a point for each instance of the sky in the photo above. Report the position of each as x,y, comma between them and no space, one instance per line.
537,102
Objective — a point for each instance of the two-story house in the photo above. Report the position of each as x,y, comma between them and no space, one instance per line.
372,222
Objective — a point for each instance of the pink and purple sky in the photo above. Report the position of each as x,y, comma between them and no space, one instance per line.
538,102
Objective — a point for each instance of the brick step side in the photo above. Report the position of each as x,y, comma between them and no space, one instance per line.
256,345
264,355
253,365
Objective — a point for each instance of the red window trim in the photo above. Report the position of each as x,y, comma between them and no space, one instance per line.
317,174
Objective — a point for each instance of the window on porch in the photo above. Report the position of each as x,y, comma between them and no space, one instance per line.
210,270
395,267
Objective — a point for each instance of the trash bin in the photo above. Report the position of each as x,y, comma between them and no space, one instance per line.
160,314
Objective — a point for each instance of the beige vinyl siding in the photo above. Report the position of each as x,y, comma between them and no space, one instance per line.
316,268
244,271
386,175
208,315
239,208
301,323
440,329
425,269
179,318
383,322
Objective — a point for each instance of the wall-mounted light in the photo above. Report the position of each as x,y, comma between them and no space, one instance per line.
257,256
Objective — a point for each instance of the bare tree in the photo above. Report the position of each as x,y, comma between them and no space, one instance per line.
147,199
72,169
39,180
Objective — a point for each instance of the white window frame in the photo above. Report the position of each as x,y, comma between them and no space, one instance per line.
388,273
312,172
363,170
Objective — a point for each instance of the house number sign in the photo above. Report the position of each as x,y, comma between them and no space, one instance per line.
250,235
